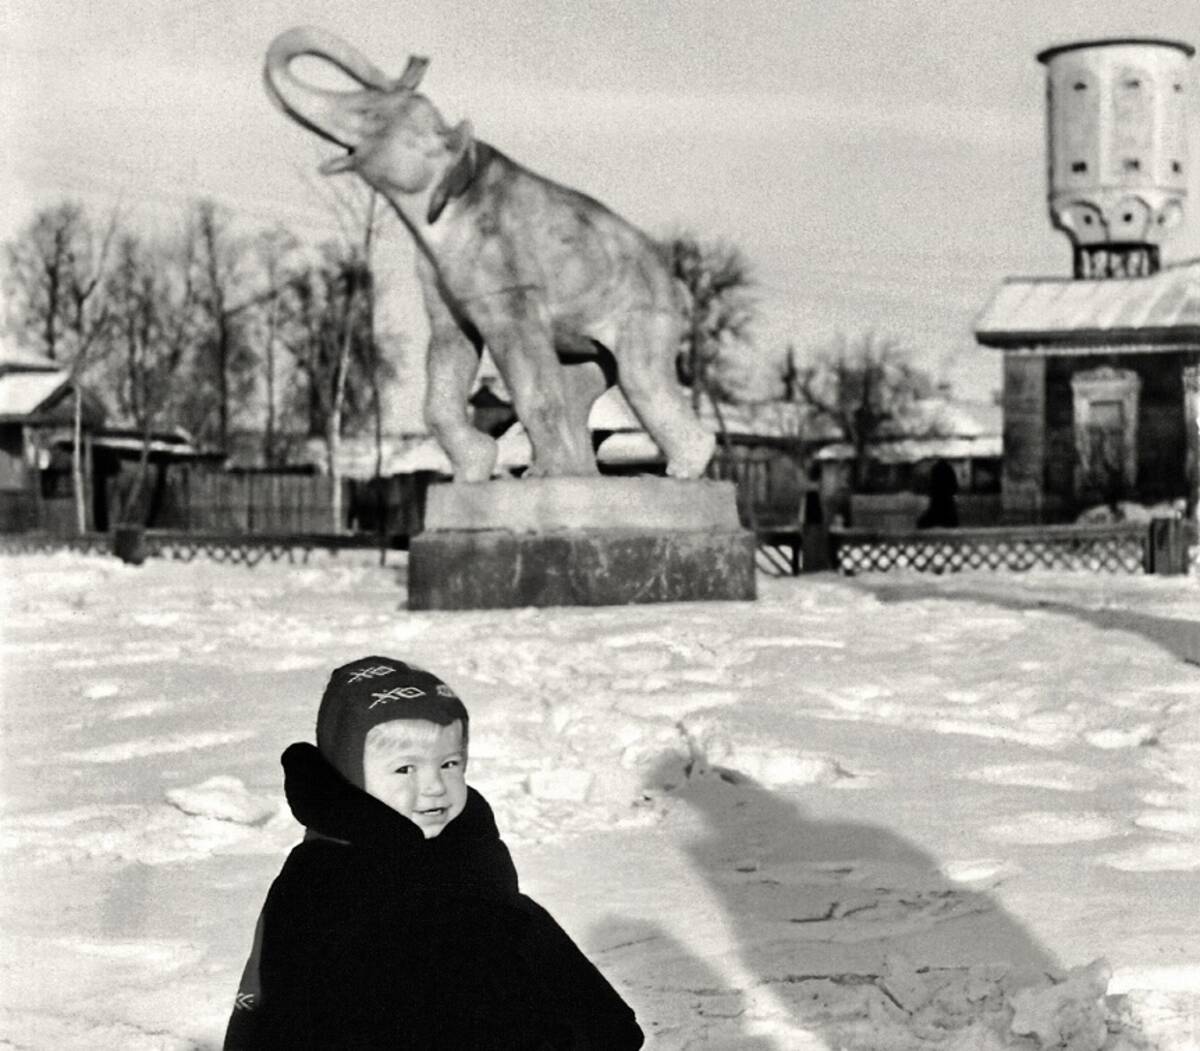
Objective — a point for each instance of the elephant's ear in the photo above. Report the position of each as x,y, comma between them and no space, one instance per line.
459,172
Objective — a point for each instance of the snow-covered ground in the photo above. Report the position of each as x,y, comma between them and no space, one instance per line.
868,813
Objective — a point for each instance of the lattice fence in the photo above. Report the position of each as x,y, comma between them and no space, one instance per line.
778,560
185,548
1104,549
237,549
39,543
249,549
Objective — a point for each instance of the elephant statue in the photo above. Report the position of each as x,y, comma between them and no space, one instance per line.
569,298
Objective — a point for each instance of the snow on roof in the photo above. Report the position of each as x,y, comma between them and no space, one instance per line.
14,358
409,453
621,447
611,412
401,454
937,415
1045,310
767,419
629,447
950,417
424,454
120,443
23,393
937,428
911,450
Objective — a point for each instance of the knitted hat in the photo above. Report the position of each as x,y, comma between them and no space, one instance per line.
374,690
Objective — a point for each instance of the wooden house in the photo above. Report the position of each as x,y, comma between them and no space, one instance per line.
1100,391
37,409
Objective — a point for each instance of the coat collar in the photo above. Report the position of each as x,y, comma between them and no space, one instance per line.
468,853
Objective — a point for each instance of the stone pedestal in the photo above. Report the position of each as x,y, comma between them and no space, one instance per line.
579,542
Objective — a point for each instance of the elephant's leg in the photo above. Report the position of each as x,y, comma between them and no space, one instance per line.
645,353
585,381
450,373
516,329
450,370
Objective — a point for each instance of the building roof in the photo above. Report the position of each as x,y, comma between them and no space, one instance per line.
401,454
913,450
1162,309
1125,41
22,394
619,448
937,428
18,359
160,444
167,443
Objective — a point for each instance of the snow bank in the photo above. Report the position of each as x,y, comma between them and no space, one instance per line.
855,814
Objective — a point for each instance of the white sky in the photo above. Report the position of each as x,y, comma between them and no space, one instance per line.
881,163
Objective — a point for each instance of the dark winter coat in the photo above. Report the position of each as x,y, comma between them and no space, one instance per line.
374,937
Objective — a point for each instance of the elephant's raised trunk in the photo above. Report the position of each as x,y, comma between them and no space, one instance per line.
331,114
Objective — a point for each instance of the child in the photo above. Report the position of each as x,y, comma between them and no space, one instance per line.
397,923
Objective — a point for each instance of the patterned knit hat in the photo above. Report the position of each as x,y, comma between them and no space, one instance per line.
373,690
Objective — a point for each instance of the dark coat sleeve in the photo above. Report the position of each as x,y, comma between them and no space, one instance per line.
577,997
242,1032
279,983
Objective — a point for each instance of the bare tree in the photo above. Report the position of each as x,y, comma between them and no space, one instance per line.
226,293
53,280
720,308
153,295
865,388
328,335
356,209
274,249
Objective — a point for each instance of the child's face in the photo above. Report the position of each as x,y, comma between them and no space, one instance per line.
420,774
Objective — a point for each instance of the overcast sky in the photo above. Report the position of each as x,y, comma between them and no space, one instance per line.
882,164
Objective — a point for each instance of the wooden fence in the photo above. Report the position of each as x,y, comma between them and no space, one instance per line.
292,504
250,503
771,487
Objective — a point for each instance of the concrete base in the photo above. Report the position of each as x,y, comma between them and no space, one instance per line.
601,541
499,569
538,505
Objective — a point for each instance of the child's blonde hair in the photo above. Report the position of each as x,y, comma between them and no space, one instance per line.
396,735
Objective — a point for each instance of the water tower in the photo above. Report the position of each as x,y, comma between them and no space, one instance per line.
1117,145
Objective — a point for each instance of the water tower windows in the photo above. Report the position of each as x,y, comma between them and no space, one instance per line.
1075,116
1174,137
1132,121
